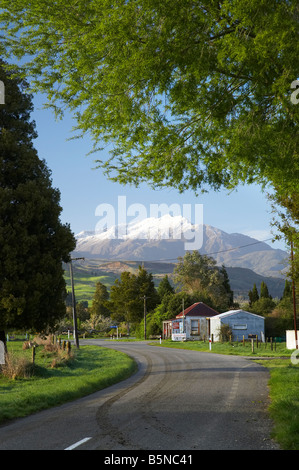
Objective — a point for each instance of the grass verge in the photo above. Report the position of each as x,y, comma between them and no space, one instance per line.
284,407
234,348
91,368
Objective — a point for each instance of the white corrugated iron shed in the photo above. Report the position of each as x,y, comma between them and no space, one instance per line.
241,322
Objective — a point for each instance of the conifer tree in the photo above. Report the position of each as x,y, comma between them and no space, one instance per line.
253,295
100,301
165,288
287,292
264,291
33,241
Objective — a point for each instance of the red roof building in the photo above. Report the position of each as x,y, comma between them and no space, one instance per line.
199,309
193,323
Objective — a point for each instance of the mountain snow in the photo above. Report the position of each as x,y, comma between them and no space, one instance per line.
152,228
164,238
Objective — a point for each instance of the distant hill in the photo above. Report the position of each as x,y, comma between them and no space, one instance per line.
147,241
242,280
88,272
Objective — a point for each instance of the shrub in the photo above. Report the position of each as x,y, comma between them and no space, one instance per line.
61,359
17,367
226,333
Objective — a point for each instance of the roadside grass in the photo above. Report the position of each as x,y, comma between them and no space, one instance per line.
284,407
231,348
91,368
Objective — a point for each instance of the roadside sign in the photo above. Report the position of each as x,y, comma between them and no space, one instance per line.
2,353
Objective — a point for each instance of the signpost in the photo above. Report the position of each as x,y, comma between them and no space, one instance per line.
74,303
178,337
115,326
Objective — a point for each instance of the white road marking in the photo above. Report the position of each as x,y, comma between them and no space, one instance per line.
78,443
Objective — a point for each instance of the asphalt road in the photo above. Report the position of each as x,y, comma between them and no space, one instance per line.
178,400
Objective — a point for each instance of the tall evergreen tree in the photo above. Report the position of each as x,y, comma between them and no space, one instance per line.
253,295
100,301
287,291
164,288
264,291
124,298
226,285
127,293
33,241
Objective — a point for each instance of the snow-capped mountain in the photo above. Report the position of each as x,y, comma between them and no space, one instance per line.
152,228
168,237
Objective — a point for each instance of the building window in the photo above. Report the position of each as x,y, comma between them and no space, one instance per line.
195,329
239,327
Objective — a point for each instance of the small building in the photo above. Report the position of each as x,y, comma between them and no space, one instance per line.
242,323
167,329
192,323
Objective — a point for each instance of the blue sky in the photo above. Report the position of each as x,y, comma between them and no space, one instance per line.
83,188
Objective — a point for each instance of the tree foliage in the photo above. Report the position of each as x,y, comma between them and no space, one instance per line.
253,295
126,296
199,274
165,288
188,94
33,241
261,304
264,291
286,209
100,304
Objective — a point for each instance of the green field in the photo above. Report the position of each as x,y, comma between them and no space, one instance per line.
85,283
91,369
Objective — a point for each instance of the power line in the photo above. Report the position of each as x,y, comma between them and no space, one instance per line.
172,259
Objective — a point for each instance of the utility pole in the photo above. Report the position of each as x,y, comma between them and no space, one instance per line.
74,303
294,295
144,313
183,305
